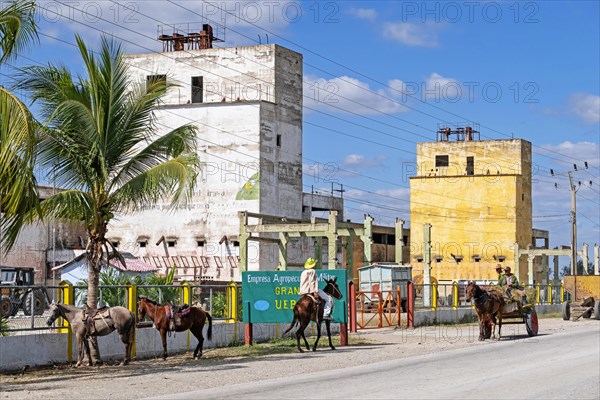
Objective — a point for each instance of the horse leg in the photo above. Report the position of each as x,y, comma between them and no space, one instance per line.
499,324
198,333
80,350
163,336
127,338
300,333
318,336
328,326
481,329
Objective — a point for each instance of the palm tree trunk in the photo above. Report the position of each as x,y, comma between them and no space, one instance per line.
94,259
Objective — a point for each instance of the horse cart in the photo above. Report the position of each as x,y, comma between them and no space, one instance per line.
494,310
584,293
512,314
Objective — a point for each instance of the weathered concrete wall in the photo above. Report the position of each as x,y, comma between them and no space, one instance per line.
35,242
482,214
250,145
51,348
229,74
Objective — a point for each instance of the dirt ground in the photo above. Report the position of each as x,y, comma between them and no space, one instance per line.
225,366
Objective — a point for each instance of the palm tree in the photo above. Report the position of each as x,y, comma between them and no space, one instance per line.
18,192
102,141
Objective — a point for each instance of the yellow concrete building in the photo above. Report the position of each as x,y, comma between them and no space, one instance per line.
476,194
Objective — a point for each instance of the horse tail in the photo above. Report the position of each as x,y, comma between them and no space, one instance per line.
209,331
294,322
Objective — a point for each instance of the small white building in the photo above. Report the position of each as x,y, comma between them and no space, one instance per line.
247,105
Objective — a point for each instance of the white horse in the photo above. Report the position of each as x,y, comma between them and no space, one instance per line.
105,322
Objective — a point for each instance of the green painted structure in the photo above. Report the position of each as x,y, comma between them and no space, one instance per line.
270,296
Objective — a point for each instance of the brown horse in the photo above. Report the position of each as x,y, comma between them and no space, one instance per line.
488,306
106,321
306,310
194,321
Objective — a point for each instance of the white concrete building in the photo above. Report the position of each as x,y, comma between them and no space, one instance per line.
247,105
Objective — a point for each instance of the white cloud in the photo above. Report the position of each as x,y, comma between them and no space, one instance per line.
348,95
364,13
411,34
584,151
443,88
585,106
360,161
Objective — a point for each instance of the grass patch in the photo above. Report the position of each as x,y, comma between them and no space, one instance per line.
275,346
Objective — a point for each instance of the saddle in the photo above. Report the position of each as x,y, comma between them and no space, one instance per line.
183,310
91,314
309,295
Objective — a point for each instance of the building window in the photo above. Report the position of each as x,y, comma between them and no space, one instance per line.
171,243
235,243
441,161
151,79
115,244
197,89
142,243
278,139
200,243
470,166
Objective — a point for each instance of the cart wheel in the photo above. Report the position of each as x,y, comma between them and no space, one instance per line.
566,310
531,323
597,309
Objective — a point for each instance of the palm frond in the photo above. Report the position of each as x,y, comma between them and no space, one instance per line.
172,144
18,28
174,178
70,205
18,191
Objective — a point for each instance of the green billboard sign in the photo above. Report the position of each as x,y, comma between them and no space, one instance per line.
270,296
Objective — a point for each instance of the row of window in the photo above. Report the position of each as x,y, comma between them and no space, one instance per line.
197,84
443,161
172,243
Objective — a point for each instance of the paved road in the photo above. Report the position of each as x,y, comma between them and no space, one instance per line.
560,366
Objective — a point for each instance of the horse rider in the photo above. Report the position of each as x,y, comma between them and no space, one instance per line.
310,285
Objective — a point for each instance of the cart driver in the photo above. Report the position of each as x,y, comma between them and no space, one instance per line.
500,272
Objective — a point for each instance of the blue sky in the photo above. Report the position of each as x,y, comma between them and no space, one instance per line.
519,69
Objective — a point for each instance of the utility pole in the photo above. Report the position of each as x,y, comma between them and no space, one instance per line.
573,226
573,189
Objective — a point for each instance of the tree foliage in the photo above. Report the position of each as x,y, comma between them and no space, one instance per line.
18,192
104,145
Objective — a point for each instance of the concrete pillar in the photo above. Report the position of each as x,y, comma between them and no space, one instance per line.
332,240
319,251
544,269
283,247
556,278
427,265
350,256
530,258
596,259
399,245
584,257
367,238
243,241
